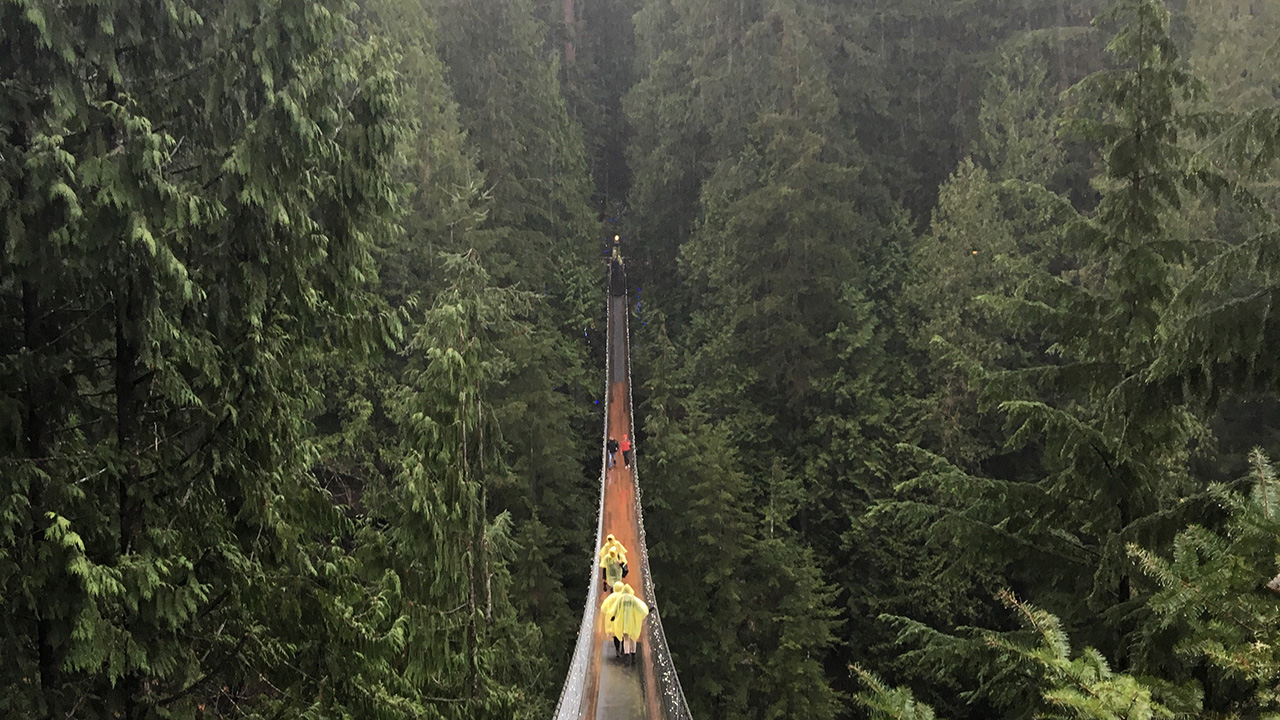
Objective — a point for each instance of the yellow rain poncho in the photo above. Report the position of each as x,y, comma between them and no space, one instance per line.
628,615
611,543
606,608
612,568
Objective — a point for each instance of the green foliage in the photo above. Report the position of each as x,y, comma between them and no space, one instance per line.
1082,687
283,283
537,236
746,608
1039,658
786,269
671,107
1018,119
595,81
1232,48
532,471
190,189
438,538
886,703
199,200
1072,343
1217,589
914,77
987,240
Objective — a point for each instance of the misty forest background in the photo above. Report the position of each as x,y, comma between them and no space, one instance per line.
955,341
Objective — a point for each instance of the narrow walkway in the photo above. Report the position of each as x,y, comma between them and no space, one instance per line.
621,688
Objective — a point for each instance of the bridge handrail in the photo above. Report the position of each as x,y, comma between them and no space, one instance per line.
569,706
675,707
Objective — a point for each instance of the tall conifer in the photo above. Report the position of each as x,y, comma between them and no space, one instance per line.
190,191
539,237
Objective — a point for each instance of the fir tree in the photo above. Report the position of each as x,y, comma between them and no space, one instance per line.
538,236
1083,687
465,651
746,609
190,191
1018,119
1096,451
784,266
1217,594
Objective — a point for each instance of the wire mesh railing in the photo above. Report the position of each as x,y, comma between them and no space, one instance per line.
674,706
570,704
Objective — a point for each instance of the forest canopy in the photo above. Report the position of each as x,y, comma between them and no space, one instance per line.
956,383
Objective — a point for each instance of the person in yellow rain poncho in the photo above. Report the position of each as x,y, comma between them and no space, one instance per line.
606,612
627,619
612,542
612,568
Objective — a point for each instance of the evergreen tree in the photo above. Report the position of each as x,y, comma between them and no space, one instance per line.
596,72
282,285
1083,688
938,547
911,76
190,191
745,608
786,264
679,48
1217,594
1096,451
988,238
1018,119
1105,427
1231,49
540,238
465,652
413,440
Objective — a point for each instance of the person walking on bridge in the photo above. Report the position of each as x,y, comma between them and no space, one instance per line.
627,620
626,450
612,448
606,612
612,567
617,271
611,543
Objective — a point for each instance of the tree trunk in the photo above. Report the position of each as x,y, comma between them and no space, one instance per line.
570,33
128,409
35,430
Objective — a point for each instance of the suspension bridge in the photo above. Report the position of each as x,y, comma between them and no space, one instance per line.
600,686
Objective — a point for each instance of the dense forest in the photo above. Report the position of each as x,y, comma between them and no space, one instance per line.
956,392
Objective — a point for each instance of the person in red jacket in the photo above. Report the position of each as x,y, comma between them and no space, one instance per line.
626,450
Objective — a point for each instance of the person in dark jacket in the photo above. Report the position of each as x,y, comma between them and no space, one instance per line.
612,447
